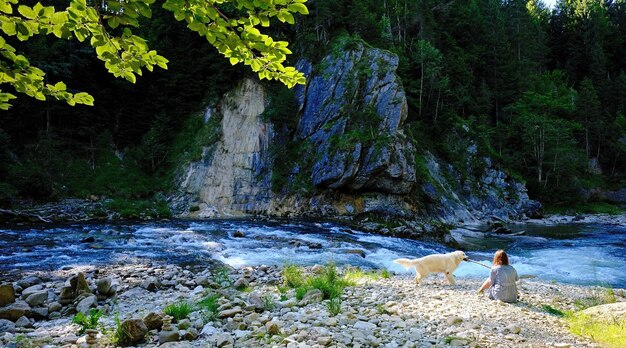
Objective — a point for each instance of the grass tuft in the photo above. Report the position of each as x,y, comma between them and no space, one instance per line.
609,334
87,322
178,310
209,306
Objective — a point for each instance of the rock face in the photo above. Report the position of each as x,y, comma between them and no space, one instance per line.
492,194
353,155
232,178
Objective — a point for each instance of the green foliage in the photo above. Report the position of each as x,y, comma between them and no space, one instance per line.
602,295
609,334
222,277
178,311
292,276
553,311
89,321
126,55
268,303
586,208
210,305
135,209
334,306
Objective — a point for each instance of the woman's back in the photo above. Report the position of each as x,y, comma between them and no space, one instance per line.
503,285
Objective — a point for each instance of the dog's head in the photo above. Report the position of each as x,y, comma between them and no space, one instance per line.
461,255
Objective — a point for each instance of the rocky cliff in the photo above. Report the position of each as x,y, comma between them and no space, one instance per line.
346,156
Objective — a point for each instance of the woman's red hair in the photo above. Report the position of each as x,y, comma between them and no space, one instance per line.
500,258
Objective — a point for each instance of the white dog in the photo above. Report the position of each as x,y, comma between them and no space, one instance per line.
436,263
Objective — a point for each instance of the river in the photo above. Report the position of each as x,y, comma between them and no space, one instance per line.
579,254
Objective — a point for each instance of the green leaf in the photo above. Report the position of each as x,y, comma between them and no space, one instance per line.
26,12
297,7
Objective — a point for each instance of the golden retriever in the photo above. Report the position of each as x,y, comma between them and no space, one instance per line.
436,263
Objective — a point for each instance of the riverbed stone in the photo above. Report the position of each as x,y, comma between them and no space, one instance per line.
39,313
23,322
15,310
223,339
104,286
611,312
151,284
7,294
191,334
29,281
37,298
54,307
168,336
313,296
79,285
88,302
31,290
273,327
6,326
229,313
134,331
153,321
67,295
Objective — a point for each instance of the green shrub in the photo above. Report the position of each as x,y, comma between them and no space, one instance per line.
178,311
210,305
87,322
334,306
222,277
301,291
292,276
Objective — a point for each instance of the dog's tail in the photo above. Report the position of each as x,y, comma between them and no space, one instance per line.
407,263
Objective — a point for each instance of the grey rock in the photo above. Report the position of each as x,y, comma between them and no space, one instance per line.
104,286
134,331
272,327
364,326
54,307
153,321
241,283
7,294
229,313
6,326
90,301
209,330
31,290
66,296
191,334
184,324
29,281
151,284
168,336
39,313
223,339
255,300
79,285
313,296
23,322
15,310
37,298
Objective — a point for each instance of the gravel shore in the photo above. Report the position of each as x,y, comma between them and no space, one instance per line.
376,312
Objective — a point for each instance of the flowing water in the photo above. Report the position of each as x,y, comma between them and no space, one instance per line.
582,254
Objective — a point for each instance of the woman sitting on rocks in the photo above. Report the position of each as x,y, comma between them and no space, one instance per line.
501,282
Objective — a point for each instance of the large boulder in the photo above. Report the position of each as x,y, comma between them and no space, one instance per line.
610,313
15,310
153,321
37,298
7,294
88,302
134,331
79,285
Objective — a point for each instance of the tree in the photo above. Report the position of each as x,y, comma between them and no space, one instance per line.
231,26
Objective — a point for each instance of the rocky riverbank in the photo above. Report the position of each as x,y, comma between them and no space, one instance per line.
249,307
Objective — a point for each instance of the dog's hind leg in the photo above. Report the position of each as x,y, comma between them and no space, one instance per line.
418,278
450,278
